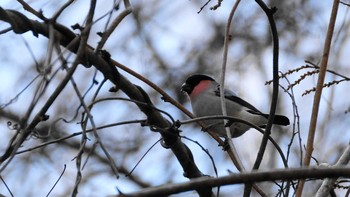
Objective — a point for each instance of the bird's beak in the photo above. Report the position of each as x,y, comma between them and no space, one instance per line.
185,88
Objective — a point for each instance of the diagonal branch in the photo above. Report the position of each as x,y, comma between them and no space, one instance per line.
318,93
21,24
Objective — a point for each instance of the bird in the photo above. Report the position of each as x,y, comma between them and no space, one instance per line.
204,94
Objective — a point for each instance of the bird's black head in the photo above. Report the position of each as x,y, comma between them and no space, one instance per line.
192,81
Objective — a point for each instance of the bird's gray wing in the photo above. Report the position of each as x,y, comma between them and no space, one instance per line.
279,119
234,98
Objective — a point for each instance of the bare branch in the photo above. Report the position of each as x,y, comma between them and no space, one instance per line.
65,36
318,93
244,177
328,184
114,25
270,16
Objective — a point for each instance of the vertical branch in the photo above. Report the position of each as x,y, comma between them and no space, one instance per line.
80,56
237,161
318,93
269,13
233,153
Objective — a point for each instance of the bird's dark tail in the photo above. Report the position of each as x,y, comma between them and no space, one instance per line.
281,120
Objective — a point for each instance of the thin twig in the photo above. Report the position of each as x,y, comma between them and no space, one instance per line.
79,133
139,161
313,65
80,56
203,6
7,187
92,122
128,9
59,12
347,4
59,178
27,7
238,163
13,147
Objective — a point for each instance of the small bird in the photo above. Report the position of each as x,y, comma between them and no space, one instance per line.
204,93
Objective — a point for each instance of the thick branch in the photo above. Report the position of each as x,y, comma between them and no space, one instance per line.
245,177
21,24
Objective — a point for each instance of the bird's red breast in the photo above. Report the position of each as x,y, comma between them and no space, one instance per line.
203,85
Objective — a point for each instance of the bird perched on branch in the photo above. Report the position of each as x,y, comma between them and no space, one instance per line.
204,93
